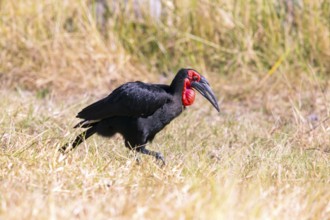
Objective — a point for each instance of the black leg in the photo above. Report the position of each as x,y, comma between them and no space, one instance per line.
155,154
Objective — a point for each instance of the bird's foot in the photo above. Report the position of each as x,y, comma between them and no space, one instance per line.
157,155
137,160
65,149
160,157
62,150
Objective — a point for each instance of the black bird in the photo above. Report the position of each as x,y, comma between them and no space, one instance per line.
138,111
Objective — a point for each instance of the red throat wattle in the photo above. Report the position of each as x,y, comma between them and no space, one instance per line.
188,95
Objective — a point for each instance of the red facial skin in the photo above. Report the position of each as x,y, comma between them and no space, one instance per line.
188,94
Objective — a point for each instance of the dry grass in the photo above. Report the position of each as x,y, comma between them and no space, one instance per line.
41,51
244,163
266,156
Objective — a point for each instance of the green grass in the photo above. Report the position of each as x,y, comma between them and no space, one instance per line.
266,156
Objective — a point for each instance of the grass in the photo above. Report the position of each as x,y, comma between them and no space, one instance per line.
266,156
241,163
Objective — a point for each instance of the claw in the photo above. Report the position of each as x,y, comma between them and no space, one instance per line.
138,160
158,157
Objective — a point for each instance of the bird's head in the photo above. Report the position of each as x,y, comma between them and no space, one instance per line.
194,80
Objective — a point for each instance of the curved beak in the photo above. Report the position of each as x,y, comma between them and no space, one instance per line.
203,87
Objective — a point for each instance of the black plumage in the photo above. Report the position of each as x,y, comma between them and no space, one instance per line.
138,111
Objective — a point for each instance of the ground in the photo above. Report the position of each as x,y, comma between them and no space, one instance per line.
243,162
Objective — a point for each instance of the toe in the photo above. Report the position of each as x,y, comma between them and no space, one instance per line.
160,157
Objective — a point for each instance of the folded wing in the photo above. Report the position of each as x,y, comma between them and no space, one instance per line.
134,99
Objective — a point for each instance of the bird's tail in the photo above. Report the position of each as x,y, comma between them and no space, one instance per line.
79,139
86,123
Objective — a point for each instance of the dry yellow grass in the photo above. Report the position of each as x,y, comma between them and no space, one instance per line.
266,156
39,51
244,163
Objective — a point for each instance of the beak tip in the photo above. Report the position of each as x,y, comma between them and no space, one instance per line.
204,88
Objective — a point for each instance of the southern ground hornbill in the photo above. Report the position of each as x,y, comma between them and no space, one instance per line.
138,111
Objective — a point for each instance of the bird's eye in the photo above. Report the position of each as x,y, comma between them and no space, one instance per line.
193,76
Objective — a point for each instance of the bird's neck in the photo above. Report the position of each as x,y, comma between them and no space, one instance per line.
177,85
